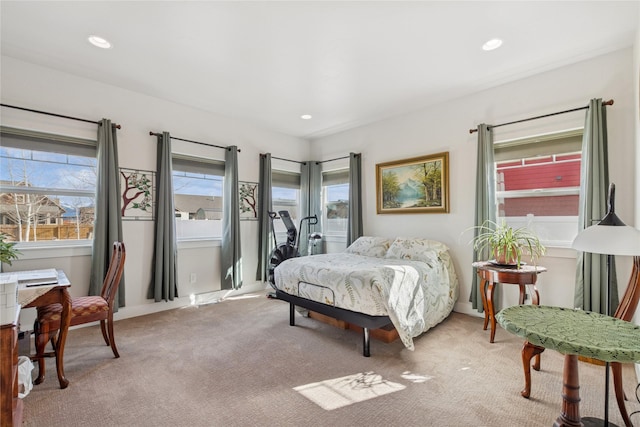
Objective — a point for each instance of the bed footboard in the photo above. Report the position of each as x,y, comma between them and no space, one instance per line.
365,321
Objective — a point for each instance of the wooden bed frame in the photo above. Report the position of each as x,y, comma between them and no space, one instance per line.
365,321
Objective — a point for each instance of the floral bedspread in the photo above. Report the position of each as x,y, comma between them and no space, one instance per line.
416,295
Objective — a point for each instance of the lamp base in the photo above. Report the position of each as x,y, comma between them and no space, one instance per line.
595,422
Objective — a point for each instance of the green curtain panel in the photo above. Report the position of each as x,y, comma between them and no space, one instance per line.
231,251
485,202
164,284
591,269
265,204
354,222
108,222
310,198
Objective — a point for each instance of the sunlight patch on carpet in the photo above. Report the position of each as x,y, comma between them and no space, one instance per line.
204,298
214,297
415,378
339,392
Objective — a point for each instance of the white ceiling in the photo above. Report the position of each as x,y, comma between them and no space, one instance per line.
345,63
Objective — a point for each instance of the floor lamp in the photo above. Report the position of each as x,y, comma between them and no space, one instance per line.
609,237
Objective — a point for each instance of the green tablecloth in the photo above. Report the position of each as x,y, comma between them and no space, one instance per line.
569,331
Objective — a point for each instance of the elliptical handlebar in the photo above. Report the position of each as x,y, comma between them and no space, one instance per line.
313,220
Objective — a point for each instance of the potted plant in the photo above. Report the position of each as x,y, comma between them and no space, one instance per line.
508,244
8,252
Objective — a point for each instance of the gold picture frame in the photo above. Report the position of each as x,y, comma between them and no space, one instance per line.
416,185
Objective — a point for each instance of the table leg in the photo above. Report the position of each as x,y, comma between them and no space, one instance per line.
65,320
523,292
535,300
535,296
570,414
485,307
492,313
528,352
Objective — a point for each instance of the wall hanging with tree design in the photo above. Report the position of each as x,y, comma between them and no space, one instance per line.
248,200
137,194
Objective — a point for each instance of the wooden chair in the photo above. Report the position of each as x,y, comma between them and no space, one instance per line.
83,310
625,311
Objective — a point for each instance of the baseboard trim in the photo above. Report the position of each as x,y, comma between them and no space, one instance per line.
186,301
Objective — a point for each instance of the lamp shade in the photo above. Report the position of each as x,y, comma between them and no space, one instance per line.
609,240
610,236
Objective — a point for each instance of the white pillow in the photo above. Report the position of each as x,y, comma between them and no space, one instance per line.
416,249
370,246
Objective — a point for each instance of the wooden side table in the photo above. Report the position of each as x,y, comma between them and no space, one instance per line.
492,274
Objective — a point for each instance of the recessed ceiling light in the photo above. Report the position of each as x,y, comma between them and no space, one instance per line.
99,42
492,44
305,116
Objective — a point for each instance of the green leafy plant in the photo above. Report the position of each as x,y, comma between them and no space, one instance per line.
8,252
508,244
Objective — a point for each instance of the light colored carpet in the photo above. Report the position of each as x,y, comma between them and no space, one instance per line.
239,363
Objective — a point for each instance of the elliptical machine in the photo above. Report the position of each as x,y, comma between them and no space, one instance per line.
289,249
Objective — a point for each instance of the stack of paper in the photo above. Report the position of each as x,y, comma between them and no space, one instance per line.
48,276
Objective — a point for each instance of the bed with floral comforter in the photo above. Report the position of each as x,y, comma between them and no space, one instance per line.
410,280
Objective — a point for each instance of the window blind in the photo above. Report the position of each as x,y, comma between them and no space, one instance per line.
198,165
284,179
544,145
335,177
42,141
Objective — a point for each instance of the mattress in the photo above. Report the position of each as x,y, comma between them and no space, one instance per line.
416,292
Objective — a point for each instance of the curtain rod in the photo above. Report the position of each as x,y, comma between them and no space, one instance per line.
337,158
317,163
609,102
117,126
194,142
286,160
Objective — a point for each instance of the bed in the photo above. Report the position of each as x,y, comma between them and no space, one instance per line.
408,282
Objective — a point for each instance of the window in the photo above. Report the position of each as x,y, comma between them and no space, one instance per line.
285,196
47,186
335,202
538,184
197,196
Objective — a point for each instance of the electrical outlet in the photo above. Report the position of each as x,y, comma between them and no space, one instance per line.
193,278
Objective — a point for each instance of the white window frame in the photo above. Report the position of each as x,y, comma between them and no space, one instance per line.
188,229
25,139
331,178
554,231
286,180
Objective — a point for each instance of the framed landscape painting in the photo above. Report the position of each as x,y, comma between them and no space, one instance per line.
416,185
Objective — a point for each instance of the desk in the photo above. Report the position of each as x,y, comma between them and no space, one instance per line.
36,296
491,274
573,333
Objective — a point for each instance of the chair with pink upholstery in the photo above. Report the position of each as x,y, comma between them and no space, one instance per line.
84,309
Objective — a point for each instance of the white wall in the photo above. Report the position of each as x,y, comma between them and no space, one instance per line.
27,85
636,96
442,128
446,128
